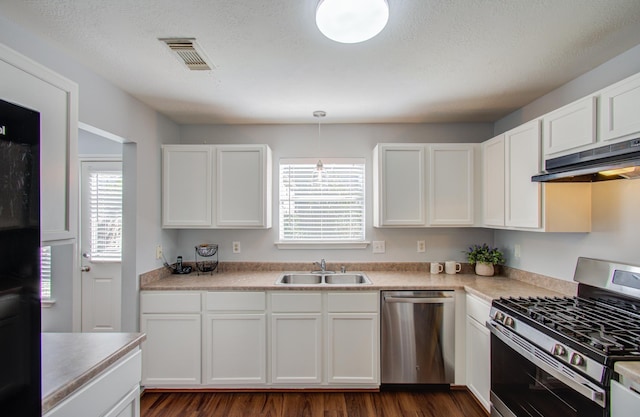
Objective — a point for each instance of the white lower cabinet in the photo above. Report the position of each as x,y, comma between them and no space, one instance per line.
478,339
235,339
172,350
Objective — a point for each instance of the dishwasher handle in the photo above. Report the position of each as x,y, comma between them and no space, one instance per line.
419,300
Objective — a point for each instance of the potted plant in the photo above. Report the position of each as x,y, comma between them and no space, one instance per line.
484,258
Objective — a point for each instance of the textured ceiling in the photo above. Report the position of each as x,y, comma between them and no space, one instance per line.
436,61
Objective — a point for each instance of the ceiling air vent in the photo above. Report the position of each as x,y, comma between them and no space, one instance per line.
188,52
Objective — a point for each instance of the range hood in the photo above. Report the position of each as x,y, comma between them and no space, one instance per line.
611,162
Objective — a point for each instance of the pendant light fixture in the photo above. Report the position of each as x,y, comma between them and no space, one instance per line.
351,21
319,114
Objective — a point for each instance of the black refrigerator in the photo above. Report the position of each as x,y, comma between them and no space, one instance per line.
20,390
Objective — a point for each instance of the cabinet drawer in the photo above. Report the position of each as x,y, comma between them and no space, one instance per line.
296,302
477,309
347,302
235,301
170,302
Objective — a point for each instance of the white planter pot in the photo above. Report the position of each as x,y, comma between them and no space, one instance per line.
484,269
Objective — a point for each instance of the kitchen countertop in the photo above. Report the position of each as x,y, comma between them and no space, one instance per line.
70,360
630,371
487,288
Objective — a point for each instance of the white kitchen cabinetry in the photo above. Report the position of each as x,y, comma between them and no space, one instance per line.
296,338
451,184
619,104
493,181
522,197
235,339
113,393
570,127
172,350
33,86
352,338
243,186
478,351
512,201
216,186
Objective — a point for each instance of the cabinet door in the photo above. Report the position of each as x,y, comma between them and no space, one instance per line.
187,186
522,147
352,348
31,85
493,180
171,353
243,186
619,106
399,191
478,361
296,348
451,184
236,351
570,127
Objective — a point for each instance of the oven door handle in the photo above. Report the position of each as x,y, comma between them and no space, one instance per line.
532,353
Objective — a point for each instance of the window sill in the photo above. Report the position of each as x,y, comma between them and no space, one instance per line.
47,303
361,244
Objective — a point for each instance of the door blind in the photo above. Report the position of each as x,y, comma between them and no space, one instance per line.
105,221
322,205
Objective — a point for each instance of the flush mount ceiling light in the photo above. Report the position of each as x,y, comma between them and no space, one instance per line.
351,21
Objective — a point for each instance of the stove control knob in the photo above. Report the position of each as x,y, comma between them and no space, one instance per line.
508,321
558,350
577,360
498,316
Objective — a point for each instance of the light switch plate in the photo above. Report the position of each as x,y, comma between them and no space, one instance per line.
378,246
421,246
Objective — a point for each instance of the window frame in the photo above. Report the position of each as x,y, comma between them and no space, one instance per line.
321,244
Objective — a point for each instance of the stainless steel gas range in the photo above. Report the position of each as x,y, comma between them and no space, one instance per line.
554,357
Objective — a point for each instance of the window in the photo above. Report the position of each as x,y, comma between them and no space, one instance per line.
105,215
324,205
45,273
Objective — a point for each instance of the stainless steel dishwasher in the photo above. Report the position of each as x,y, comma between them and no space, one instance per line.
417,337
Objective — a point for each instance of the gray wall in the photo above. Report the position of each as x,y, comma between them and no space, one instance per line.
339,140
615,204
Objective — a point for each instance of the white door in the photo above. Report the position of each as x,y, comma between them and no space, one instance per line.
101,245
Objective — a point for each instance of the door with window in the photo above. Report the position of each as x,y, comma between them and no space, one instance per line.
101,245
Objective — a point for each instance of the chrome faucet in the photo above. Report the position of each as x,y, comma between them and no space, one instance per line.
322,264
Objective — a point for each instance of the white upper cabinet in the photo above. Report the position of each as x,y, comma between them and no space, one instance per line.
522,157
216,186
570,127
619,104
187,186
451,184
399,189
493,181
33,86
243,186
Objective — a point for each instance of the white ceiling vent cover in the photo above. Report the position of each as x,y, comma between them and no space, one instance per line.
188,52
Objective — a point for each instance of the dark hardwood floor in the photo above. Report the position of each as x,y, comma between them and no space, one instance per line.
454,403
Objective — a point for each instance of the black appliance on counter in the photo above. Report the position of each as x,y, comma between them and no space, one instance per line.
554,357
20,391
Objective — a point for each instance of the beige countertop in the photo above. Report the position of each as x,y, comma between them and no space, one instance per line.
487,288
629,371
70,360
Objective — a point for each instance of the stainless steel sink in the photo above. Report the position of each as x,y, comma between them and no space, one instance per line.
319,279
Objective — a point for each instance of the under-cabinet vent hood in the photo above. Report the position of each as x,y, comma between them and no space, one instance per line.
611,162
188,52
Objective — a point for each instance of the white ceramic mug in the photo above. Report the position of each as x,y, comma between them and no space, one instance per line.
452,267
436,268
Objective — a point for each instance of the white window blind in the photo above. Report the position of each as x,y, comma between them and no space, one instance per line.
322,206
105,204
45,272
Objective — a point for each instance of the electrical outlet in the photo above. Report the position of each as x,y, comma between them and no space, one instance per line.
517,252
378,246
236,247
422,246
158,251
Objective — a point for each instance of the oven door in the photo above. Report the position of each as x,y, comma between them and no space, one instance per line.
527,381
